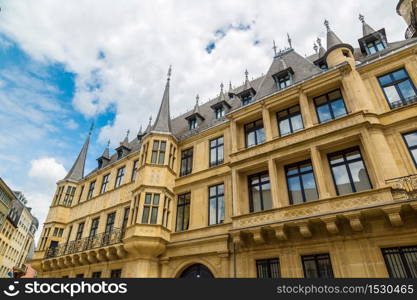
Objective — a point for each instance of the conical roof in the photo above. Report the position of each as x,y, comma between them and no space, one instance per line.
366,28
163,119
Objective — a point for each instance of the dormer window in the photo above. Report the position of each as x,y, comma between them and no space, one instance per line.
219,112
192,123
100,163
120,153
284,78
323,66
374,47
246,99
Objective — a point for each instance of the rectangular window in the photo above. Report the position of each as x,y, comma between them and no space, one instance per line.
172,150
69,196
268,268
219,112
119,177
317,266
301,182
246,99
158,152
216,204
166,212
398,88
94,227
349,171
96,275
79,276
411,142
186,161
135,170
330,106
150,209
216,151
254,133
283,81
81,194
125,219
290,120
80,230
144,153
104,183
375,46
401,262
259,192
192,123
183,212
116,273
91,190
109,228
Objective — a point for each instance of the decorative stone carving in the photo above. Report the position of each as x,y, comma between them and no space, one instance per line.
304,229
331,224
403,188
355,221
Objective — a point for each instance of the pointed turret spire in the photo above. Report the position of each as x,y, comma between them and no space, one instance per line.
274,47
140,133
76,172
289,40
230,87
163,119
332,38
322,51
106,152
126,139
247,83
148,128
366,28
196,106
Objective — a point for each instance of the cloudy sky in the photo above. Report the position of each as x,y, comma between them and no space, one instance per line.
64,64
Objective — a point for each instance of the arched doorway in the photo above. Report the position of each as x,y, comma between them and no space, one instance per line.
197,271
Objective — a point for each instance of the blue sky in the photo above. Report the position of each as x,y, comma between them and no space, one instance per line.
64,64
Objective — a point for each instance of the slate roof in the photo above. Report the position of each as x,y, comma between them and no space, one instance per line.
76,172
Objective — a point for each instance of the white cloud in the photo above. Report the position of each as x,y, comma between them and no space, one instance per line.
139,39
71,124
46,171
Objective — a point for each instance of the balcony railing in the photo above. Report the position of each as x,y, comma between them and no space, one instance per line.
100,240
404,102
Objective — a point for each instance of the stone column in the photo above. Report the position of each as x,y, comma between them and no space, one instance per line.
319,173
305,109
273,178
267,123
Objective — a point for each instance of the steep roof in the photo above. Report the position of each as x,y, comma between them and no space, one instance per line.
163,119
77,170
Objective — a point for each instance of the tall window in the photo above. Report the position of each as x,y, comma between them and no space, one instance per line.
375,46
81,194
119,177
125,219
192,123
104,183
172,156
158,152
186,161
150,209
216,204
144,153
94,227
317,266
254,133
116,273
91,190
330,106
166,212
401,262
135,170
216,151
96,275
268,268
183,212
349,171
259,192
301,183
411,141
80,230
398,88
290,120
69,195
110,222
219,112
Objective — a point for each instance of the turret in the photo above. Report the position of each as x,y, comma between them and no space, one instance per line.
337,51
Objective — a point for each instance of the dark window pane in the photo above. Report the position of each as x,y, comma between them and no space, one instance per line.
338,108
400,74
297,123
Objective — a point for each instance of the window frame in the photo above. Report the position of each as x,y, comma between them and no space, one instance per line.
186,205
410,148
346,163
116,273
158,152
259,185
289,118
150,208
120,176
328,102
135,168
219,112
94,227
91,188
254,129
104,183
316,263
395,84
185,155
80,231
299,175
192,123
268,263
403,260
216,148
216,197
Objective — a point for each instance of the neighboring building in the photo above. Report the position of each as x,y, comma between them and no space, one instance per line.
407,9
303,172
6,198
17,235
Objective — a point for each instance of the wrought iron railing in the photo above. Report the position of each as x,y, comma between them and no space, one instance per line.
404,102
99,240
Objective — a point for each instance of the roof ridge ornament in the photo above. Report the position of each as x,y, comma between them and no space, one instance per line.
274,47
327,24
315,47
362,18
289,40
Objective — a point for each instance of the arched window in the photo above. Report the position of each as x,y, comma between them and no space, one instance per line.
197,271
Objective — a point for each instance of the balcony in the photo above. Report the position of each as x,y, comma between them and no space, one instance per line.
404,102
88,243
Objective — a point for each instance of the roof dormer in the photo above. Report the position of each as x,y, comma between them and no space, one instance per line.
247,95
284,78
104,159
124,148
221,107
195,119
372,41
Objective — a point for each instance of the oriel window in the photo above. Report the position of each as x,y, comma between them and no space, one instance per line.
290,120
411,142
150,209
401,262
259,192
330,106
268,268
349,172
216,151
104,183
186,161
216,204
158,152
317,266
119,177
183,212
398,88
254,133
301,182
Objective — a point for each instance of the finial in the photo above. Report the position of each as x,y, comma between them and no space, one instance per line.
319,41
108,143
289,40
150,120
91,128
316,48
197,98
274,47
221,88
327,24
169,73
362,18
127,133
246,75
230,86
